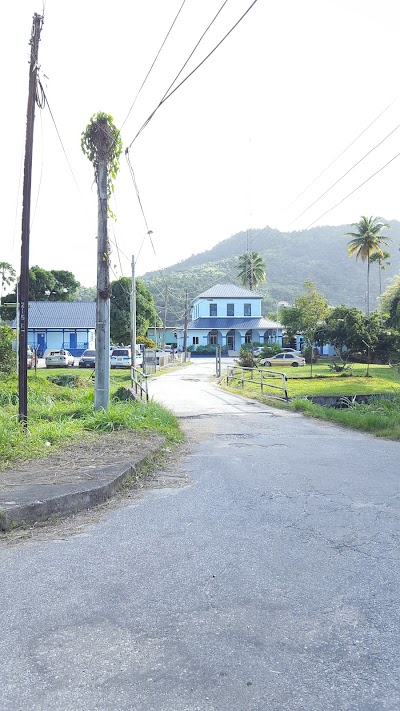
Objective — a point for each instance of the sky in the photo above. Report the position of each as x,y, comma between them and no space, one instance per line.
244,143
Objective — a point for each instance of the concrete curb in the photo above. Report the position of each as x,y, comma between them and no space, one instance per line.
73,498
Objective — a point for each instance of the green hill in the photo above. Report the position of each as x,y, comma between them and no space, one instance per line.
319,254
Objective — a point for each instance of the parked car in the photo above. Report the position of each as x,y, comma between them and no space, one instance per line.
58,358
121,358
87,359
258,351
284,359
291,350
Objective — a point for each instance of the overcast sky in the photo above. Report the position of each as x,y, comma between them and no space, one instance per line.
282,97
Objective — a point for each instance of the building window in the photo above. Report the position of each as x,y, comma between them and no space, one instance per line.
213,309
195,340
230,309
213,338
247,337
247,309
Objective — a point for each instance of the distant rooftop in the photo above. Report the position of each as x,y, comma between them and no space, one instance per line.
61,314
228,291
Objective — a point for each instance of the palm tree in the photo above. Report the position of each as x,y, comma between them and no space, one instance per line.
382,260
367,241
251,269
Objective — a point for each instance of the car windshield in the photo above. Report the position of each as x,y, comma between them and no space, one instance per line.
120,353
89,353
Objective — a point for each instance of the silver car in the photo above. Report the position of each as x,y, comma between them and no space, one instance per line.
59,358
87,359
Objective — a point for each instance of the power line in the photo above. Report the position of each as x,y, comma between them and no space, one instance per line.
168,95
46,101
353,191
344,174
345,149
153,63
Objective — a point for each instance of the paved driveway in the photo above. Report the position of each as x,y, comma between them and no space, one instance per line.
269,583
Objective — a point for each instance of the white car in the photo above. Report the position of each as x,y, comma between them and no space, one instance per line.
284,359
58,358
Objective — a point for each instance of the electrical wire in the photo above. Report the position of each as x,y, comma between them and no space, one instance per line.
152,65
345,149
353,191
57,131
344,174
168,95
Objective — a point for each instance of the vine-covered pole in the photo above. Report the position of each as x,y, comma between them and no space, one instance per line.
102,144
102,370
26,218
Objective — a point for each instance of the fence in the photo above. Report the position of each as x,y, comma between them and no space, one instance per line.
258,378
139,383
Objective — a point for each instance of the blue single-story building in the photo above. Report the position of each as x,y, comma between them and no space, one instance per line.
61,324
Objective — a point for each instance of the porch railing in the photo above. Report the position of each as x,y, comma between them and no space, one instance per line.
258,378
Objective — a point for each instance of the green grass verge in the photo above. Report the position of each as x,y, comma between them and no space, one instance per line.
61,414
380,417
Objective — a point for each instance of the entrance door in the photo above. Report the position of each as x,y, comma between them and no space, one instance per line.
72,341
41,343
230,341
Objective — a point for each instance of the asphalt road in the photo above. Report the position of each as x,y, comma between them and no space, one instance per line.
269,583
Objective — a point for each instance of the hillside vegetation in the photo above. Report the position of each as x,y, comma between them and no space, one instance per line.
319,254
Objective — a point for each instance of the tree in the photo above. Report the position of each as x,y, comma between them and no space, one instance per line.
120,309
382,259
53,285
366,241
307,315
251,270
8,360
85,293
390,303
345,329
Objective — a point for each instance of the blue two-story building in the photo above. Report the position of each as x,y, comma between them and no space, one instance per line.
229,316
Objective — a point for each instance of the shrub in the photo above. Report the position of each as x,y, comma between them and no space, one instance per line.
246,358
8,361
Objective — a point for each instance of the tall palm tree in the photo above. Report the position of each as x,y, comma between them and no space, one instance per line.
367,240
382,260
251,270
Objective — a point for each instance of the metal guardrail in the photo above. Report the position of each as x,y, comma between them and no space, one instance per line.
139,383
246,376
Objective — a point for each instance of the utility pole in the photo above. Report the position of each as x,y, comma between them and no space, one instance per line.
185,328
165,316
133,314
26,218
102,370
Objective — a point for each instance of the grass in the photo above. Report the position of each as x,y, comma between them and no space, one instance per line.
61,414
380,417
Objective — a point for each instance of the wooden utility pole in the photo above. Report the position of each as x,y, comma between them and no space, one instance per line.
185,329
165,315
102,370
26,218
133,314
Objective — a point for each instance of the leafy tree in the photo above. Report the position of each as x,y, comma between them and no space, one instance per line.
53,285
7,276
390,303
366,241
383,262
307,315
85,293
120,319
345,329
7,356
251,270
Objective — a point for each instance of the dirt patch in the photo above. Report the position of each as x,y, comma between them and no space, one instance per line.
74,462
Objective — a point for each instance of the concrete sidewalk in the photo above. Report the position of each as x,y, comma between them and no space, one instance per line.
29,496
